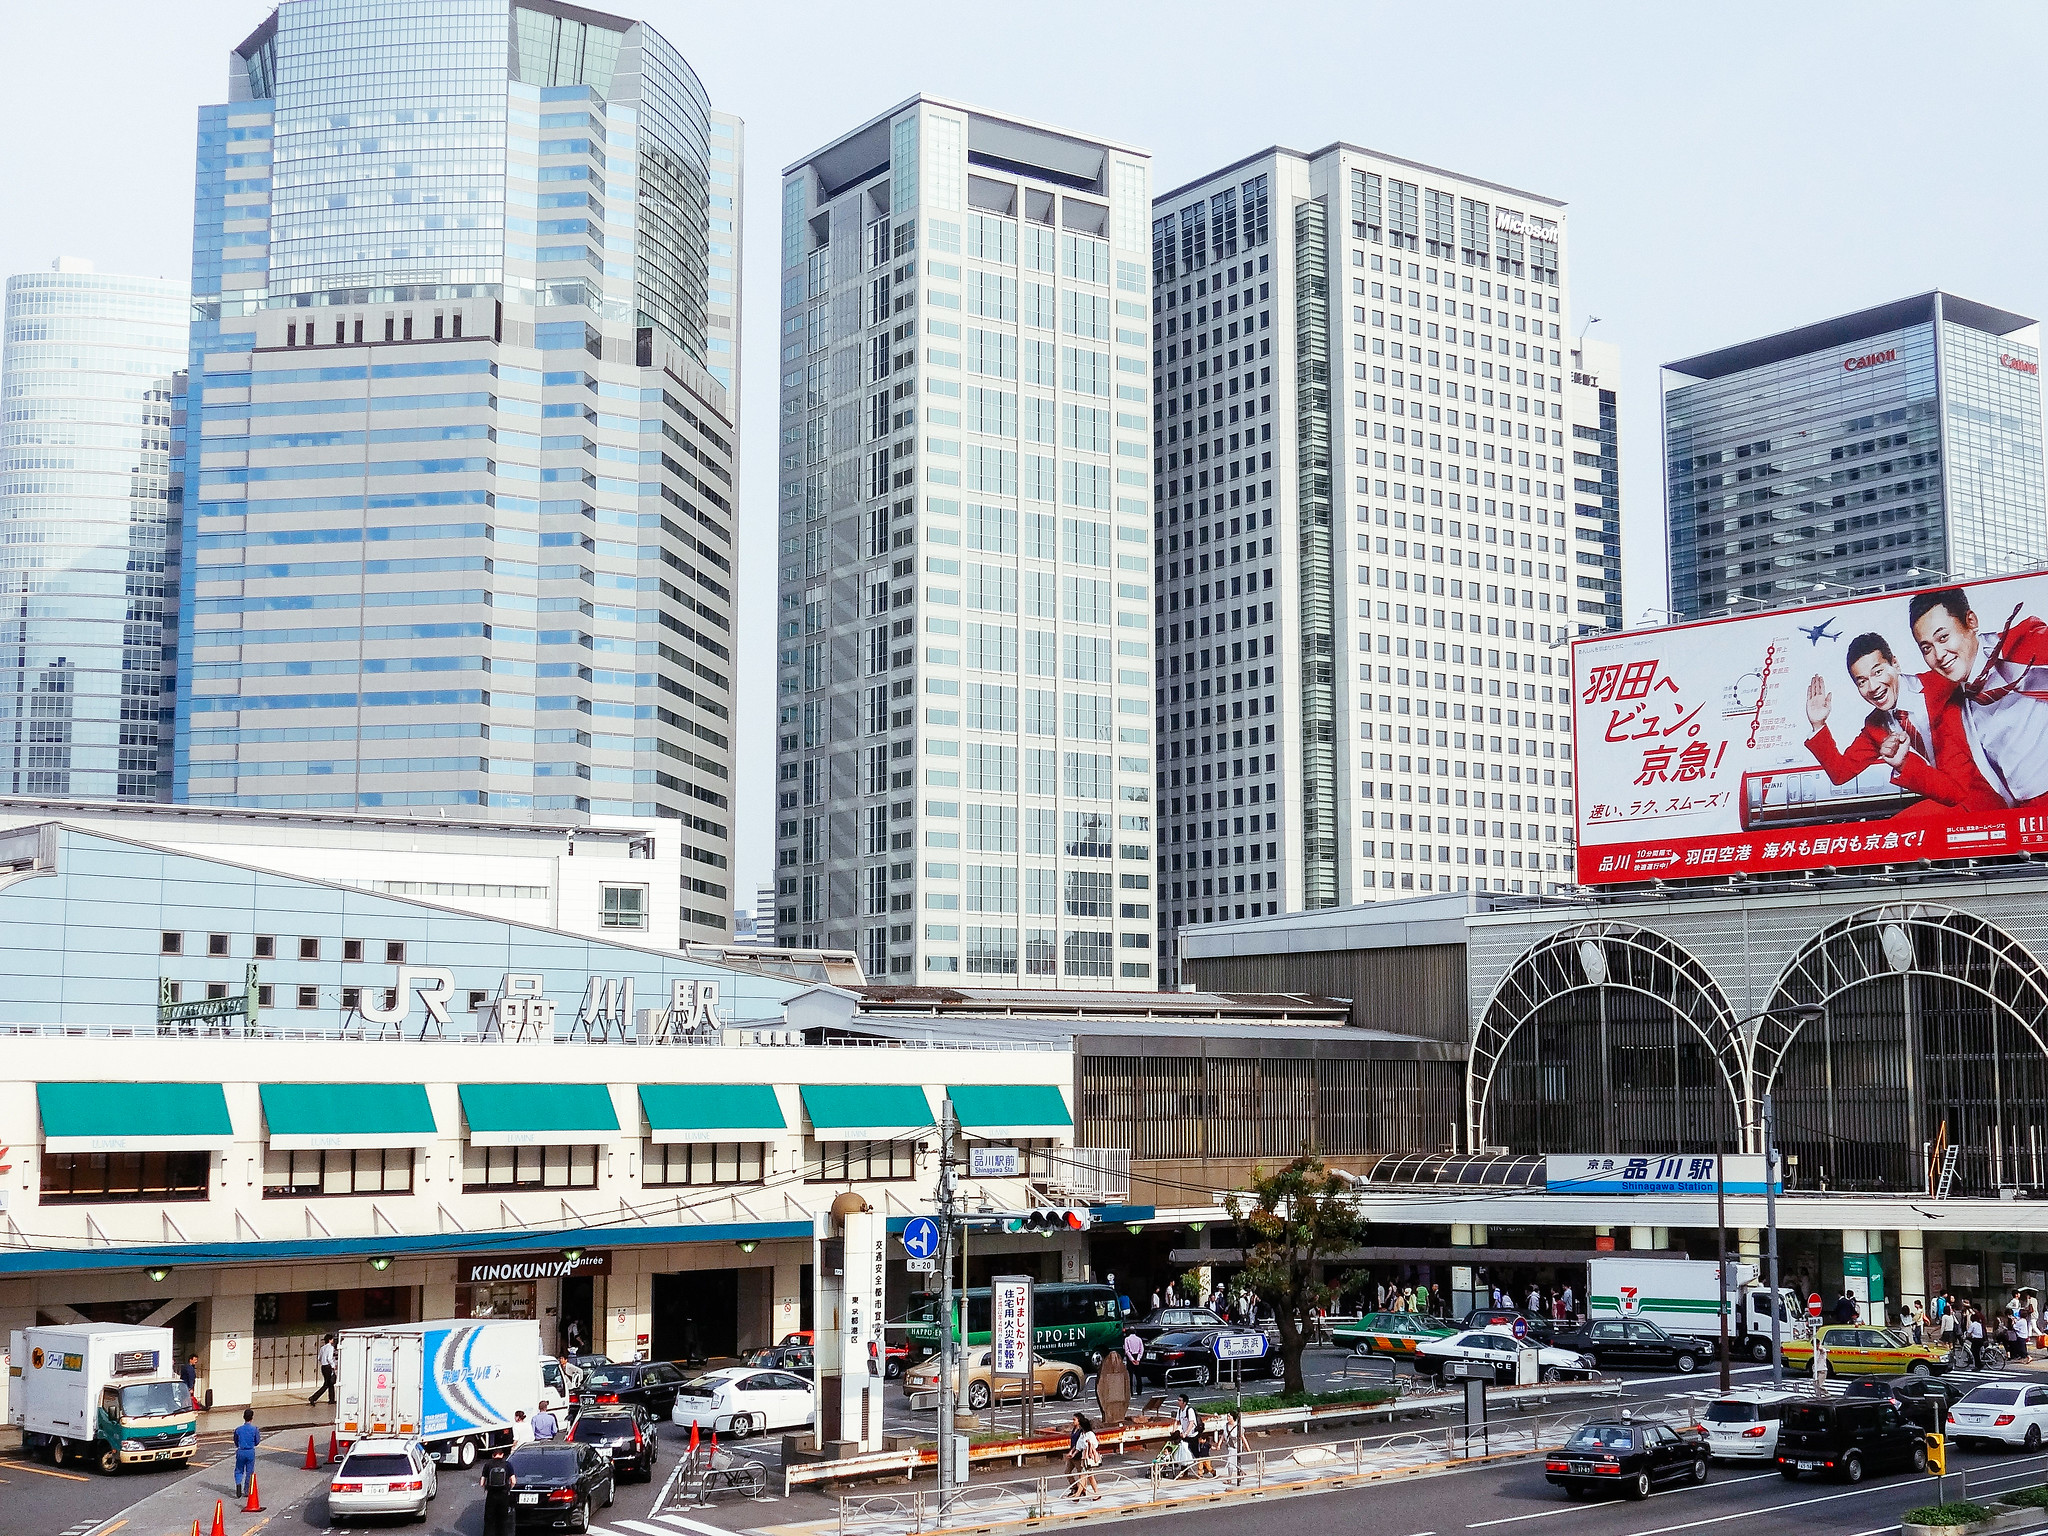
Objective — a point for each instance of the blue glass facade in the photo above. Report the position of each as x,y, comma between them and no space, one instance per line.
461,523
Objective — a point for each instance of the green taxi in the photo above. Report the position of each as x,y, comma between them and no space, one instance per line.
1390,1333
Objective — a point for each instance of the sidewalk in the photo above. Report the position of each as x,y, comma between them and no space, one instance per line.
281,1479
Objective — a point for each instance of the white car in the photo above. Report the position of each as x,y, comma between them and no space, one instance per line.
2010,1414
1500,1349
381,1477
1743,1426
742,1400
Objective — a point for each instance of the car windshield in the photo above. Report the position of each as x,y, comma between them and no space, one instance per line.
1895,1339
608,1378
543,1461
1600,1437
765,1357
375,1466
2004,1396
153,1398
1731,1413
602,1429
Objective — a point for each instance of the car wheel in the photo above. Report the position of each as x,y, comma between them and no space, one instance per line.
892,1370
611,1490
977,1395
1639,1487
1852,1468
2033,1440
1277,1370
1069,1388
1699,1470
1760,1352
1361,1352
1922,1368
1201,1375
1920,1458
465,1454
742,1425
579,1517
110,1459
1552,1373
1789,1472
1687,1364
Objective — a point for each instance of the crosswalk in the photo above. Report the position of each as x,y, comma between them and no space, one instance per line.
1835,1386
660,1525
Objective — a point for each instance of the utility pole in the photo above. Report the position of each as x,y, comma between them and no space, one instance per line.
946,1346
1721,1242
1771,1222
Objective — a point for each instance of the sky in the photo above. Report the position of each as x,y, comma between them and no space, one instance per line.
1729,169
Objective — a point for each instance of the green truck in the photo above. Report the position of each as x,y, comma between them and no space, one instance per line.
105,1395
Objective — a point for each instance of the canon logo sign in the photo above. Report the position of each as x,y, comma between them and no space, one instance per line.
1870,360
2017,364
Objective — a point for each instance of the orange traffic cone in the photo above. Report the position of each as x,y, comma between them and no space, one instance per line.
312,1459
195,1525
693,1434
255,1505
333,1448
220,1523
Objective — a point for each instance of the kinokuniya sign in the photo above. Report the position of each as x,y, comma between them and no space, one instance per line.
487,1269
520,1010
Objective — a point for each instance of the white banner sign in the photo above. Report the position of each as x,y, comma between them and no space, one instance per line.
1010,1326
993,1163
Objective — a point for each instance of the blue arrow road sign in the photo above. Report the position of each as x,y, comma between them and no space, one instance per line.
921,1237
1240,1346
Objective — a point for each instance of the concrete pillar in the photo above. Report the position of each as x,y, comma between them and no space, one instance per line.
1856,1271
1749,1248
437,1297
1912,1272
627,1327
1873,1270
1642,1237
789,1301
228,1352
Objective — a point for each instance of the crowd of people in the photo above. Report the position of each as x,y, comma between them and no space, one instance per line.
2015,1327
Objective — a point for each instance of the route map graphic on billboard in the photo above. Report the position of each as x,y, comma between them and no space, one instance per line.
1875,730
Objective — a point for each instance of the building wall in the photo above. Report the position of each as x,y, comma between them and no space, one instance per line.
89,509
1414,991
1592,396
964,723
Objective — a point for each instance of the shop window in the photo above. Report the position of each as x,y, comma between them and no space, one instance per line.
840,1162
529,1168
725,1162
360,1171
92,1178
625,906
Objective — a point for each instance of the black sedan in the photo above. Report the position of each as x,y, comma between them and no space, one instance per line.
555,1486
1176,1319
1631,1457
1186,1357
1614,1342
797,1359
650,1383
1539,1330
627,1437
1922,1400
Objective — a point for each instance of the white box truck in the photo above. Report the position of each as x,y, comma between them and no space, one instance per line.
100,1394
455,1383
1678,1296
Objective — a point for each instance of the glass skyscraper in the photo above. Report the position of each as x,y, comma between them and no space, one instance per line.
1887,448
460,523
88,514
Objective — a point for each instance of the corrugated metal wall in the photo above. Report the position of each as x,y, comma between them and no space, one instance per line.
1419,991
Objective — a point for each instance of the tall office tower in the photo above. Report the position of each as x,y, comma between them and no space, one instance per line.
461,522
88,512
1591,405
1345,311
1885,448
965,631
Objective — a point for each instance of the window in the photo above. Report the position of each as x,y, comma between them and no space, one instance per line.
309,949
351,949
216,943
266,946
309,997
529,1168
394,952
625,906
1088,895
362,1171
90,1178
1088,954
724,1162
173,944
839,1162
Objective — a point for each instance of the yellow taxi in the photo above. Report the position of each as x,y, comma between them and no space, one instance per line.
1856,1349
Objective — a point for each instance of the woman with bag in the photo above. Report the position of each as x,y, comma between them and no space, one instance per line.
1088,1454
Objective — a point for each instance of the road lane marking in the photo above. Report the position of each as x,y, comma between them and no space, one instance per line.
28,1466
683,1524
1768,1509
1748,1477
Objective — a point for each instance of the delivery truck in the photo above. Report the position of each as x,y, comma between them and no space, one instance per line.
454,1384
1678,1296
100,1394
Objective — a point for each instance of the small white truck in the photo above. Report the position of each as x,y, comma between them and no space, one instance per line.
100,1394
1678,1296
454,1383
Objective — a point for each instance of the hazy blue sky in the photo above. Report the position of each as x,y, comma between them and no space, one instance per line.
1731,169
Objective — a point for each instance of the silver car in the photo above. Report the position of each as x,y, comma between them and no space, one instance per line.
381,1477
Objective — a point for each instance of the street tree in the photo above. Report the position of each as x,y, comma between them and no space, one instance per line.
1291,1221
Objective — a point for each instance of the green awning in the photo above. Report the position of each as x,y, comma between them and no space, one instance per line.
300,1116
859,1112
134,1117
537,1114
1030,1111
706,1112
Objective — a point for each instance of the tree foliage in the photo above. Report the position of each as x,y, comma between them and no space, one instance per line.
1291,1221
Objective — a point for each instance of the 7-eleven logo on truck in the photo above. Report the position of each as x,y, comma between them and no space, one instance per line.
1631,1298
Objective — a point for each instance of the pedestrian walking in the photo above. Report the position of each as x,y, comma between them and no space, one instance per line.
1187,1419
1233,1442
545,1425
327,1363
189,1374
522,1429
1088,1452
573,1336
498,1516
246,1437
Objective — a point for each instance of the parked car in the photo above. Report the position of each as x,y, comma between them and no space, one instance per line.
556,1485
1855,1349
1847,1437
799,1359
1174,1319
1924,1400
1501,1351
625,1434
894,1356
1540,1330
1632,1456
381,1476
650,1383
741,1401
1187,1358
2009,1414
1055,1378
1390,1333
1743,1425
1614,1342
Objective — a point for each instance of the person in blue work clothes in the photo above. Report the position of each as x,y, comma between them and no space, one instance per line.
246,1436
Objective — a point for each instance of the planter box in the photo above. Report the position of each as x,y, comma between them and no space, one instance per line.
2006,1517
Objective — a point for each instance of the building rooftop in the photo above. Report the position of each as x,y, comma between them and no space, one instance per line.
1845,330
1377,154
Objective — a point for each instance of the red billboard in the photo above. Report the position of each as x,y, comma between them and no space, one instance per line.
1874,730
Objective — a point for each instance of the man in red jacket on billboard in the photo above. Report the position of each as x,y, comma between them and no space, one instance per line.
1995,686
1901,731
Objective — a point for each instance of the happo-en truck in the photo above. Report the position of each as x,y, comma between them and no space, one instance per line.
104,1394
454,1384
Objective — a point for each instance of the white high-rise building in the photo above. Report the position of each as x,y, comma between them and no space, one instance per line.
966,632
1359,450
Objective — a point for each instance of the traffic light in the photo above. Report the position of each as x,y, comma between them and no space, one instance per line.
1937,1455
1049,1219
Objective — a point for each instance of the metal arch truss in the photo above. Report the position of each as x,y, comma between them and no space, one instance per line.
1905,939
1585,958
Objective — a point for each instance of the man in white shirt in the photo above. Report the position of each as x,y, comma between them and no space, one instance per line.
327,1365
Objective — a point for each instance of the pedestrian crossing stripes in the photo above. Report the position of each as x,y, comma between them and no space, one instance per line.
1835,1386
670,1524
